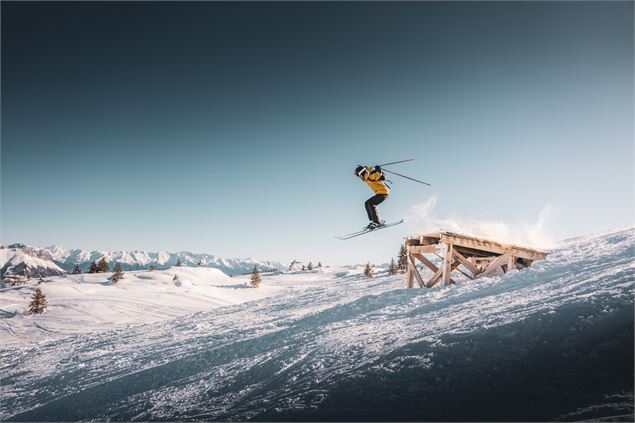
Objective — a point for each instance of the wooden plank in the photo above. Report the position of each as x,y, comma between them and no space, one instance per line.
528,254
493,266
427,262
424,239
423,249
447,265
492,246
471,267
415,272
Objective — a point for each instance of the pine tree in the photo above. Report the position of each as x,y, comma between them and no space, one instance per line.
293,263
368,270
93,267
392,269
118,275
255,278
103,265
402,259
76,270
38,302
310,266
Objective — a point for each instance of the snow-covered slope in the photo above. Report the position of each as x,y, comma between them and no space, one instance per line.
553,342
89,302
136,260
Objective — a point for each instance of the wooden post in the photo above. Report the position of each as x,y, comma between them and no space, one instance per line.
447,265
409,275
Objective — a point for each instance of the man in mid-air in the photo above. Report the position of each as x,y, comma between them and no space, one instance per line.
375,178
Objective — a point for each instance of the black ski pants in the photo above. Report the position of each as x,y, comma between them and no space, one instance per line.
371,206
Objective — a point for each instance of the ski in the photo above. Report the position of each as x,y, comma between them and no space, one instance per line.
365,231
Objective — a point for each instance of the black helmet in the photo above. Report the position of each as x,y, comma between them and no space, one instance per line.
358,170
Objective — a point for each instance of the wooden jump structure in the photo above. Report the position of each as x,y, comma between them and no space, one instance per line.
480,257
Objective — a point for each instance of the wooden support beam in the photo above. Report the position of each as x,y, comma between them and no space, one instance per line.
427,262
471,267
447,265
466,274
415,272
436,278
494,265
409,275
511,263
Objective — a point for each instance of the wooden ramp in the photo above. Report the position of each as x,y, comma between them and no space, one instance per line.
471,256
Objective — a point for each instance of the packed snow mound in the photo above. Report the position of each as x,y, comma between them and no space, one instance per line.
137,260
20,264
552,342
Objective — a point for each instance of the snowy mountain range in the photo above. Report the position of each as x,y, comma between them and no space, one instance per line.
20,259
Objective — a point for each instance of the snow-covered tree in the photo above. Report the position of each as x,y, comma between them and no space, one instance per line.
254,278
103,265
76,270
402,259
368,270
38,302
117,275
392,269
310,266
93,268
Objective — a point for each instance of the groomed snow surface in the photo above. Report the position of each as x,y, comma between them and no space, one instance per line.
553,342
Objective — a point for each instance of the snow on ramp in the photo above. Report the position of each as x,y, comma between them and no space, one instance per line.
553,342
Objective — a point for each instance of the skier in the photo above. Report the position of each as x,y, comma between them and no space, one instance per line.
375,178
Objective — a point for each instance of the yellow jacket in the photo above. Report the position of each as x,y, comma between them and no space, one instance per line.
375,181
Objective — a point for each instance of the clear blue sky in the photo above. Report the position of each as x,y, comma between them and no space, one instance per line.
234,129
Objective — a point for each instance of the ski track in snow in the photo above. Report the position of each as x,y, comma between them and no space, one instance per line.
235,361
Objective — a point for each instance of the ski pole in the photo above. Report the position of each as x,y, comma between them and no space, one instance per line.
407,177
392,163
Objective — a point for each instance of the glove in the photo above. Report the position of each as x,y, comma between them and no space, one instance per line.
377,168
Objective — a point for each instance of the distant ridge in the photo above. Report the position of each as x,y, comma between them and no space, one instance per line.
60,259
